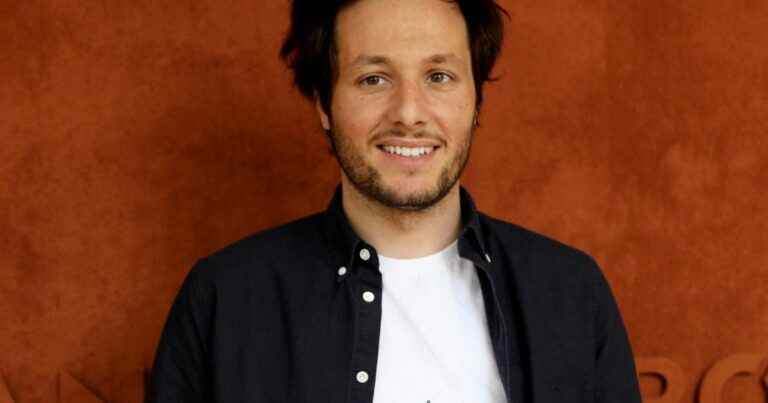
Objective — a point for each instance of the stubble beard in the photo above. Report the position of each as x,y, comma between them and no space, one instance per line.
368,180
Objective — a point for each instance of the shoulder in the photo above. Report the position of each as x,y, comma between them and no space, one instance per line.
533,251
270,241
545,266
263,251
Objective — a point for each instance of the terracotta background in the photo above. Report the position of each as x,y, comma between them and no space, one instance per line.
139,135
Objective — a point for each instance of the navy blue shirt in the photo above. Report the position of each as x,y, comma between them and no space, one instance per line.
279,317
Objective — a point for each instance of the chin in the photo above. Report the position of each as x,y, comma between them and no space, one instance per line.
407,188
410,196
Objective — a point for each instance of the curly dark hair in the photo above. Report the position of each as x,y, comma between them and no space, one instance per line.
309,47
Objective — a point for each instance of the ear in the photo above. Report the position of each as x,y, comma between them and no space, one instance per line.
324,119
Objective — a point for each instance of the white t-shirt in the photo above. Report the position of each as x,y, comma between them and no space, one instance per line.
434,345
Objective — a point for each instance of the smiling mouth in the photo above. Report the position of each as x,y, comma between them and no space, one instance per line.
411,152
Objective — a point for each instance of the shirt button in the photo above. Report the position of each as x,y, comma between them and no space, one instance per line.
362,377
487,258
342,271
365,254
368,296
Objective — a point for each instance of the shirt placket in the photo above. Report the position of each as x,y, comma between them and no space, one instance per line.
499,331
367,289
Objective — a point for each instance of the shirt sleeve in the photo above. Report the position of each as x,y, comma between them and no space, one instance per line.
615,377
181,370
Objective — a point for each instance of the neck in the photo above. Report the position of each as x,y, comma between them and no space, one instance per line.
403,234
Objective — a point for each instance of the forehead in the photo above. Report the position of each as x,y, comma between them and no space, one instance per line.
401,29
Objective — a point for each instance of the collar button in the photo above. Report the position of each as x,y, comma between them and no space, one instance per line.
365,254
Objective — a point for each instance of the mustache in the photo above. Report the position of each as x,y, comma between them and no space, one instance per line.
398,133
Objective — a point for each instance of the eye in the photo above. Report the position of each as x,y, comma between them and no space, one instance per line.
372,81
439,77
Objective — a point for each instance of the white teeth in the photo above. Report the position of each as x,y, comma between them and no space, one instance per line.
409,152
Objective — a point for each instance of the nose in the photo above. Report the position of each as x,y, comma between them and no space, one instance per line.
409,105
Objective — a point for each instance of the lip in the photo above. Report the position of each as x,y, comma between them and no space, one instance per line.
399,142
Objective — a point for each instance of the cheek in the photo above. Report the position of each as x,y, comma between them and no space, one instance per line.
455,108
456,118
355,116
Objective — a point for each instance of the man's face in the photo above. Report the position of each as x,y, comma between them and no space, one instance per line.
403,103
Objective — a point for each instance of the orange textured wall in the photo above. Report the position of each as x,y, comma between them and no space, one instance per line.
139,135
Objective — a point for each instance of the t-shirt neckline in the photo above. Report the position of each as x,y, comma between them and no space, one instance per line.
438,259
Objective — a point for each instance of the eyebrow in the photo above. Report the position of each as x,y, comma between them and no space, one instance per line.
443,58
365,60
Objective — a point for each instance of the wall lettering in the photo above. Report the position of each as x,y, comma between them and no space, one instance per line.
672,376
713,384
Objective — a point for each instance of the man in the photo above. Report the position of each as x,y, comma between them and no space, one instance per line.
400,291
